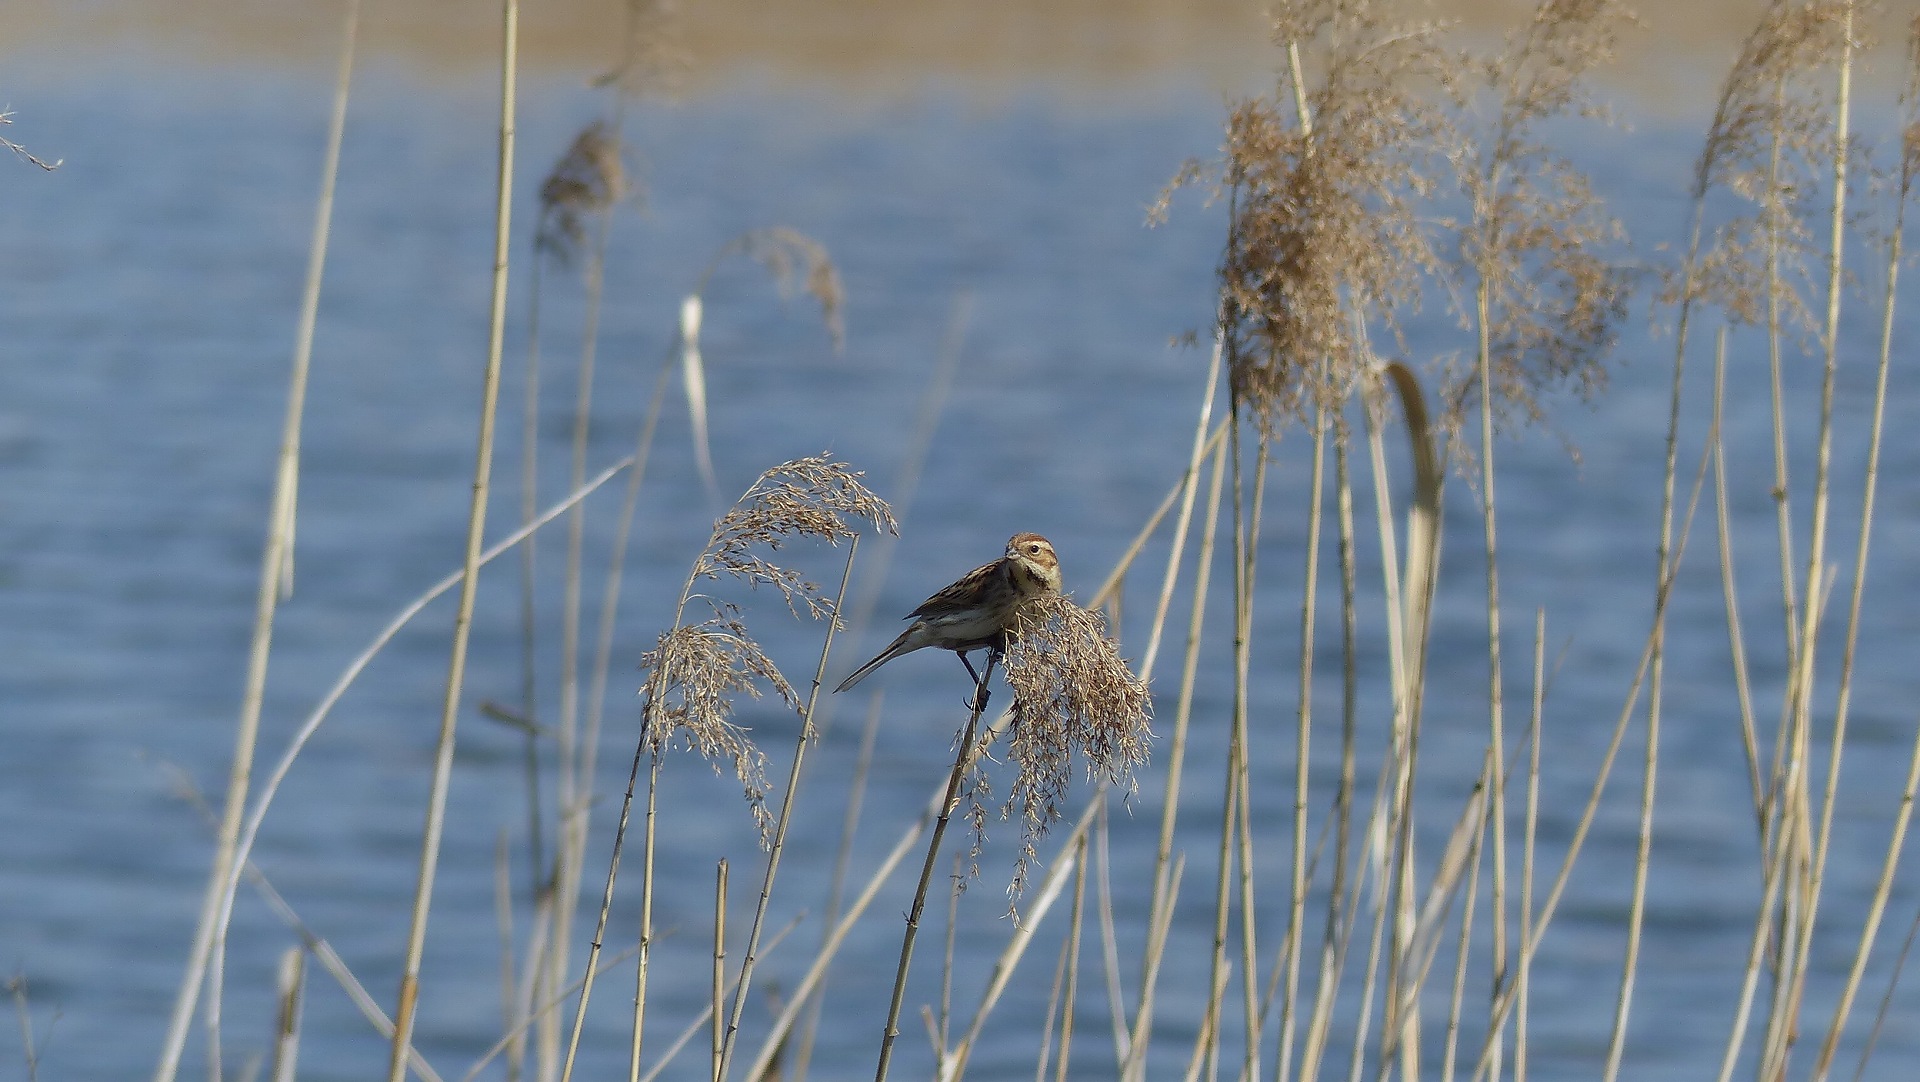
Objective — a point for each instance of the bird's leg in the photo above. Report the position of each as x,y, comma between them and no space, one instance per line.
980,692
997,656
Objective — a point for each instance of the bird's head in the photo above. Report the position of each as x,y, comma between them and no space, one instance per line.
1033,555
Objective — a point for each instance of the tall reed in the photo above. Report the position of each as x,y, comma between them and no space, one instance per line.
1383,923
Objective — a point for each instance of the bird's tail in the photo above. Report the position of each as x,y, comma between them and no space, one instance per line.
894,649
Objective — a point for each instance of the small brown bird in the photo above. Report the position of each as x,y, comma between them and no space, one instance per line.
975,611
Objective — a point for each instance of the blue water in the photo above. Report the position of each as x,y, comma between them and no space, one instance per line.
146,320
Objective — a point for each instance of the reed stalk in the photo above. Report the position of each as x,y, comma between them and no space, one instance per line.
276,581
404,1013
777,846
961,760
717,1006
1895,245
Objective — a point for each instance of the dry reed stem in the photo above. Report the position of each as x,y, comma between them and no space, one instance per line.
694,670
1909,147
1547,303
776,846
718,1001
1160,910
586,183
314,943
963,763
403,1016
6,117
276,580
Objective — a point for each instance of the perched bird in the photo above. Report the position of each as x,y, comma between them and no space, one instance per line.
977,610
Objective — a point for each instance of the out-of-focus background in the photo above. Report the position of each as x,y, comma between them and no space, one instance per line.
980,174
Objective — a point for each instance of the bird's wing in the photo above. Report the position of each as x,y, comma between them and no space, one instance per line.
960,595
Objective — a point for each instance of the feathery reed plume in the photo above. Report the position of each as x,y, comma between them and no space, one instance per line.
1325,224
588,179
695,669
1548,300
1071,692
794,260
1769,145
653,52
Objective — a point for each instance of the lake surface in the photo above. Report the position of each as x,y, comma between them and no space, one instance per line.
151,286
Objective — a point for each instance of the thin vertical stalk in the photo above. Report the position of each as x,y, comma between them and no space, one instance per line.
718,1011
1783,509
1822,494
1736,642
1494,769
450,708
1159,912
1072,958
961,759
1045,1059
1303,744
1236,755
529,566
1522,986
276,568
1249,958
642,965
777,845
1496,729
292,994
1338,933
403,1019
1871,486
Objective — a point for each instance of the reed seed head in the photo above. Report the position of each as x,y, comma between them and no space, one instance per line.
587,180
1534,242
695,670
796,261
1770,147
1324,187
1073,694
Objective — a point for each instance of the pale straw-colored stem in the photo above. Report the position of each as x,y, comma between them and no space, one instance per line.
1871,930
643,964
717,1003
1503,1003
476,530
1303,746
1522,986
1496,680
777,845
1730,594
269,789
1448,1053
276,579
1338,935
963,757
